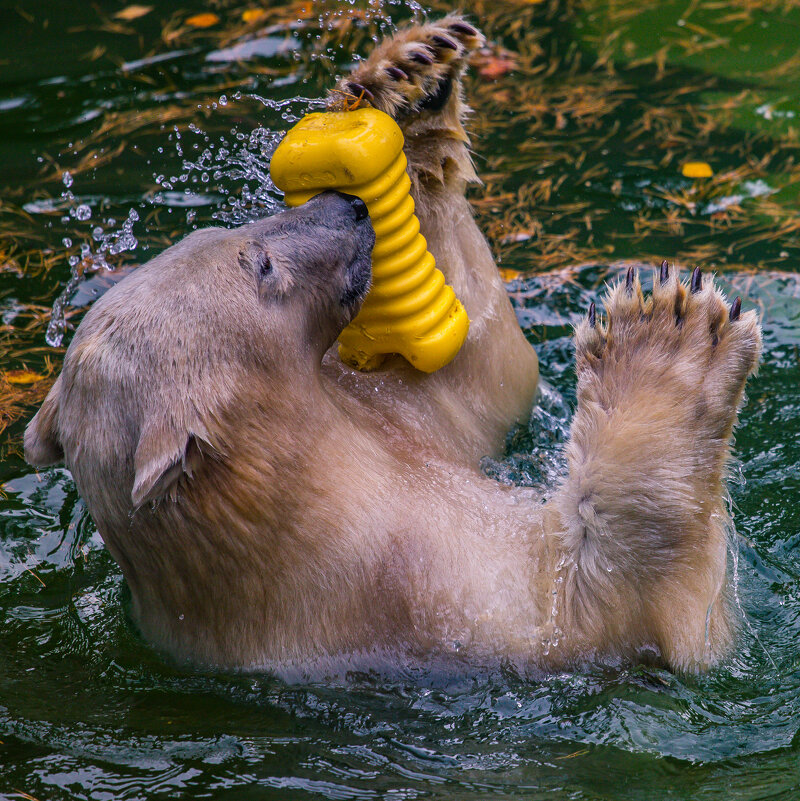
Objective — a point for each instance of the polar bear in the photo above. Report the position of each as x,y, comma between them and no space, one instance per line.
271,508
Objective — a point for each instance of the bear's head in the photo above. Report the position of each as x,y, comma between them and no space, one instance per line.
174,349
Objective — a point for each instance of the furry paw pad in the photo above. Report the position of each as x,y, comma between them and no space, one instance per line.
414,71
684,352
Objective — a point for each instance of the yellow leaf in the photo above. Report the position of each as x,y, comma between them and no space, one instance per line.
133,12
509,275
22,377
203,20
253,15
696,169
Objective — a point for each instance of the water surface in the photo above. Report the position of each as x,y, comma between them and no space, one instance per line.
119,135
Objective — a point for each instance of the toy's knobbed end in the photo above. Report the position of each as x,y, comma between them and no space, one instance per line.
335,150
438,348
409,309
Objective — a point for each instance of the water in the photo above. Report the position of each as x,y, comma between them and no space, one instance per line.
118,136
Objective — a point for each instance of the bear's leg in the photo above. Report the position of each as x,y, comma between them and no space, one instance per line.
416,78
642,515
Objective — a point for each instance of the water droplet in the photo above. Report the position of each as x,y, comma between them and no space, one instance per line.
67,179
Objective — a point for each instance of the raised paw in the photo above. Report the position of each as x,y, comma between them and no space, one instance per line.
413,72
642,511
683,353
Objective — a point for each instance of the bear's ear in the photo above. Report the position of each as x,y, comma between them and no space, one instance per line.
163,455
42,446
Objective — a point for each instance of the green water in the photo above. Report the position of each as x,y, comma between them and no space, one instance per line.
604,104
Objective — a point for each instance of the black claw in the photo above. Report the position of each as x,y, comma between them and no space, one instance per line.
736,309
462,27
397,73
444,41
629,280
361,91
592,314
664,271
697,280
422,58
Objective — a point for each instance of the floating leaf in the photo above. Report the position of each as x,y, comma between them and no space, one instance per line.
98,51
306,10
203,20
509,275
253,15
696,169
495,67
133,12
22,377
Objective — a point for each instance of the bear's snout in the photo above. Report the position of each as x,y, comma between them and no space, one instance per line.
353,207
356,204
359,207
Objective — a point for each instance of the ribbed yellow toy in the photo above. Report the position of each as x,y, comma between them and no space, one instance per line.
409,310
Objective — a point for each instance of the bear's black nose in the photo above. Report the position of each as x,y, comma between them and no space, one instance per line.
359,207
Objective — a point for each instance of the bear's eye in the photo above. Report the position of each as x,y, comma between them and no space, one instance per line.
264,265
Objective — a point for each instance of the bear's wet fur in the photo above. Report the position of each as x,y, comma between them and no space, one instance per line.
273,509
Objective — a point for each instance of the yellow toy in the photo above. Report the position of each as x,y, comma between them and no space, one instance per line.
409,310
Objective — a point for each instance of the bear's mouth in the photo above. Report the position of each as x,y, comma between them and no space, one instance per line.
358,275
358,280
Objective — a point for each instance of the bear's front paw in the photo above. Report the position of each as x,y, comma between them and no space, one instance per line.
413,71
642,511
682,354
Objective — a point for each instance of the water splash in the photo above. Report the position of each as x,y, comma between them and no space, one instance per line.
229,175
102,241
535,452
732,541
232,172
